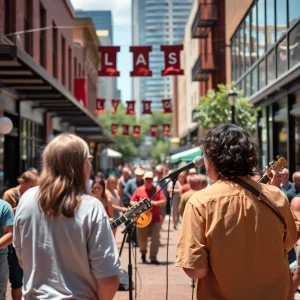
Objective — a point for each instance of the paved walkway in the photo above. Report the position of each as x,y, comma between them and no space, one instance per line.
151,280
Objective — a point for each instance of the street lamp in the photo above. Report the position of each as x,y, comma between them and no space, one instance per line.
232,97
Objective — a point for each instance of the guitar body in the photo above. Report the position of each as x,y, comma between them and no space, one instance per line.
144,219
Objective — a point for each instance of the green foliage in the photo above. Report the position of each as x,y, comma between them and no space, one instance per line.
214,108
130,146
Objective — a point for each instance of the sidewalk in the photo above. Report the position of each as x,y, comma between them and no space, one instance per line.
152,281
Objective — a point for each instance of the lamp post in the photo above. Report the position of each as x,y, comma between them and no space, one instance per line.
232,96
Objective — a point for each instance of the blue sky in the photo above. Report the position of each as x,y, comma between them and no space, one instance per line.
121,11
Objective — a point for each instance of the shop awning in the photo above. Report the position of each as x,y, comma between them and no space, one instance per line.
185,156
21,74
112,153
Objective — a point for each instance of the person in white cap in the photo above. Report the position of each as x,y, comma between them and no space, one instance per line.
153,229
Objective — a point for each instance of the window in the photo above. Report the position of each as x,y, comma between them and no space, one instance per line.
282,58
43,39
294,12
247,42
253,30
27,26
271,67
281,18
63,60
261,27
7,14
263,138
79,71
233,59
248,85
75,67
270,22
70,68
254,82
54,50
262,74
294,46
281,127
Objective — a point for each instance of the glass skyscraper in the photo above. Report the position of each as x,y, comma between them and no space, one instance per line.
155,23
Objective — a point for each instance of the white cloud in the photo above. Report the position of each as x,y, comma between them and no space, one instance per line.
121,9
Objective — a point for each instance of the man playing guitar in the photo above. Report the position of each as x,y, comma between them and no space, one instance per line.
153,229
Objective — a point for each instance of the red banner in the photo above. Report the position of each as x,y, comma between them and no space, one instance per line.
141,61
80,91
114,105
136,130
166,104
154,130
166,129
125,129
100,106
146,107
172,60
130,107
108,61
114,129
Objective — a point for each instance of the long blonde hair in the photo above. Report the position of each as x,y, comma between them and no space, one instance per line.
62,179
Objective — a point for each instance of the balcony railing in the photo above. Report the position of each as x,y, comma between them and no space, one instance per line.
205,17
203,67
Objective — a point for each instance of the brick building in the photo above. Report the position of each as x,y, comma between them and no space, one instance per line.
42,54
204,65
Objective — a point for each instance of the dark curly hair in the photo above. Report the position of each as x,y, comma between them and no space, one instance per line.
231,149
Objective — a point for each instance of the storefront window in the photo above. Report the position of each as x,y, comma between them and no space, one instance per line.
261,27
253,27
262,74
294,46
282,58
242,49
281,127
297,134
248,85
247,42
263,139
270,30
281,18
271,67
294,12
254,83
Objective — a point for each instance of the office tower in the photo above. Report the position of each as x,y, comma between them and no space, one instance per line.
155,23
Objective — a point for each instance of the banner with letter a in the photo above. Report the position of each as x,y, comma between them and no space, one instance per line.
141,61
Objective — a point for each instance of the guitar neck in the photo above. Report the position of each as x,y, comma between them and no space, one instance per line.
265,179
114,224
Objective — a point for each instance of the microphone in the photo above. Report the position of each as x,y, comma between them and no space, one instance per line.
197,162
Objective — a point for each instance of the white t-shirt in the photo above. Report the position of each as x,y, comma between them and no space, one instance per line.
62,257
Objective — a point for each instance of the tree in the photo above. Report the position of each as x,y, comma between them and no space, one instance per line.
214,108
127,145
133,147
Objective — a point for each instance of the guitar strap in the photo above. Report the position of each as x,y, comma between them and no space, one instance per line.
263,198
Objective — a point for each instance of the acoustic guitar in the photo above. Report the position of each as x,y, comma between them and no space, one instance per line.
277,166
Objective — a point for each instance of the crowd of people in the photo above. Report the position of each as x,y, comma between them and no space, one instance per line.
56,241
116,192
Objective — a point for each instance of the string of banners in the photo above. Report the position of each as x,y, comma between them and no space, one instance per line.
136,130
130,110
140,66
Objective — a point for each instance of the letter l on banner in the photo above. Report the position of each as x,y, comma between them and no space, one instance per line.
109,61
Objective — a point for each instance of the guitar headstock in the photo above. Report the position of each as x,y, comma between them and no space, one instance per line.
137,209
277,165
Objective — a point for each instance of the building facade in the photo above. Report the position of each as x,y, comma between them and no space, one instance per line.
37,73
265,63
103,23
155,23
204,61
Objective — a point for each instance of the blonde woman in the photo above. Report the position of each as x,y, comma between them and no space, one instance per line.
65,231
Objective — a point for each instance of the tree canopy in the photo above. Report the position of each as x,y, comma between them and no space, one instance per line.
214,108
